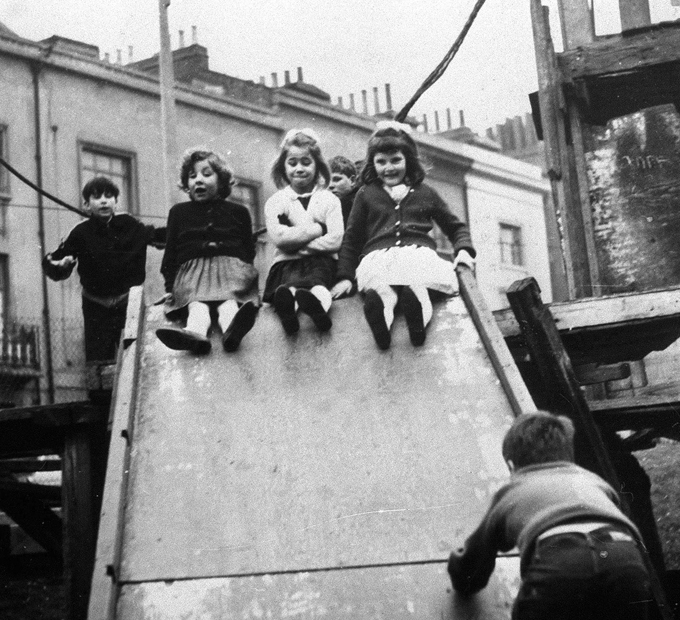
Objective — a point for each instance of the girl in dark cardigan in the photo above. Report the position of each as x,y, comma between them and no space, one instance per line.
387,247
208,260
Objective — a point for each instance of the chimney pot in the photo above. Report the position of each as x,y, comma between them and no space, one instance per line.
364,101
181,38
299,74
461,115
388,98
194,35
130,54
340,104
351,102
275,80
119,57
376,101
425,128
449,124
436,121
286,75
107,57
262,79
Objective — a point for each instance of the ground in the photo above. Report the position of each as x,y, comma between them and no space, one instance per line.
32,589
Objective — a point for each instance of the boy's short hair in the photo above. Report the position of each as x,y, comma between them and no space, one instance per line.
539,437
225,177
99,186
342,165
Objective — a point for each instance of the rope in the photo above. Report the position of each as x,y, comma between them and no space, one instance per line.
442,66
32,185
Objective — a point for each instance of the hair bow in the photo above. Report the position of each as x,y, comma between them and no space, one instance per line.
310,133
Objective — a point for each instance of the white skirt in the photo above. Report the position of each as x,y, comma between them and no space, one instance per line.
407,265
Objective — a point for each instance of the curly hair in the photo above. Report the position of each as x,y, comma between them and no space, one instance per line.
302,139
389,140
225,177
539,437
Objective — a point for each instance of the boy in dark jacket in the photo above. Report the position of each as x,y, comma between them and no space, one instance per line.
580,556
343,183
110,251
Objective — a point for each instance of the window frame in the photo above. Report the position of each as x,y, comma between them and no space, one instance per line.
258,216
108,151
516,246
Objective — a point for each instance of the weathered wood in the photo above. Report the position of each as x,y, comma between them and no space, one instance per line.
659,412
496,348
79,530
619,54
562,393
105,585
625,310
26,465
34,517
634,14
588,374
577,23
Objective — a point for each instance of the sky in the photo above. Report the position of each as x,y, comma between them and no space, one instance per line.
343,46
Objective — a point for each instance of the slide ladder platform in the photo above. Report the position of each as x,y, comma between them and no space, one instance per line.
305,476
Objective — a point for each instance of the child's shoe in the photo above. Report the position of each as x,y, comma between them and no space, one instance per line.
284,304
180,339
374,311
240,325
413,312
310,305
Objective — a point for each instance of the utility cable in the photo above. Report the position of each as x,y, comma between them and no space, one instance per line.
442,66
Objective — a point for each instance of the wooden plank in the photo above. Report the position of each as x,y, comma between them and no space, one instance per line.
29,489
618,54
79,530
577,23
609,311
659,412
105,586
496,348
26,465
634,14
589,374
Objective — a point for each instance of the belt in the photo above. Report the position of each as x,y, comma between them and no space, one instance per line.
613,532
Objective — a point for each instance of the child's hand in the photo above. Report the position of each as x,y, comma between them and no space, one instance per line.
342,289
463,258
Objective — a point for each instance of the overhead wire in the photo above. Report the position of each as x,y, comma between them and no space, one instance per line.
442,66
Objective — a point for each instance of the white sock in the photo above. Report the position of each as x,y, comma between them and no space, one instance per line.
425,302
198,320
323,295
226,312
389,299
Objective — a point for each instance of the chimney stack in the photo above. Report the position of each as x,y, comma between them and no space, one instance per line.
181,38
351,102
436,121
299,72
461,115
388,98
449,125
376,101
275,80
194,35
286,77
364,101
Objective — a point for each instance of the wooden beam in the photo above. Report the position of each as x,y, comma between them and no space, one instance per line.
577,23
634,14
615,54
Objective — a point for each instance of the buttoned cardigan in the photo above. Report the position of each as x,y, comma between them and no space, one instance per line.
377,222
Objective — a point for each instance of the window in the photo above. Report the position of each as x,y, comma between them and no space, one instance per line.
4,174
511,245
115,165
247,194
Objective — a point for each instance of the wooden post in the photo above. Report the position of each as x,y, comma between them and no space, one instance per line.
79,529
577,23
634,14
168,116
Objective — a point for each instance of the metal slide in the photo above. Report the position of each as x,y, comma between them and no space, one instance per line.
305,477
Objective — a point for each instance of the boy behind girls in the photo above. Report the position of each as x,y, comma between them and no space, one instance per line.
343,183
579,554
110,250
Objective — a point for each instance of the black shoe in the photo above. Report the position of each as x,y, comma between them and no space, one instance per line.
180,339
413,312
310,304
374,311
240,325
284,304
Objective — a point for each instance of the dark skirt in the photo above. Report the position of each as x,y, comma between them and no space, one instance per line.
304,272
212,279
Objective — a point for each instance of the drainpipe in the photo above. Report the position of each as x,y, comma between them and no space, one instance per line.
49,369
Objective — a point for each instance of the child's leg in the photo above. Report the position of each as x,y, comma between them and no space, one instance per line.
316,303
194,337
417,308
198,320
284,305
379,307
235,322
